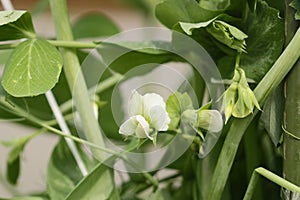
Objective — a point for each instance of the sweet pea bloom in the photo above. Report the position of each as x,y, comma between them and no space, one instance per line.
148,116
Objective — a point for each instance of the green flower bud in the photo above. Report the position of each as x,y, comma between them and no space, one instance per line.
239,100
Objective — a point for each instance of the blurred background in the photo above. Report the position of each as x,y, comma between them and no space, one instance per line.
127,14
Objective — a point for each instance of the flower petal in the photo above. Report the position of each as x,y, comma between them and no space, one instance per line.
150,100
129,126
136,104
159,118
210,120
142,129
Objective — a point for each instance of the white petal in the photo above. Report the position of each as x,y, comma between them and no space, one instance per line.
159,118
136,104
210,120
142,129
129,126
150,100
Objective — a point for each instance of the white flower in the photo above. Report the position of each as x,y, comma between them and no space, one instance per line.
210,120
148,116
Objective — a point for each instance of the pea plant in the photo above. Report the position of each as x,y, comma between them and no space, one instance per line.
228,131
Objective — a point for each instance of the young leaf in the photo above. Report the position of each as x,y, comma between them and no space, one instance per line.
176,104
13,161
221,31
15,25
94,25
189,27
228,35
32,69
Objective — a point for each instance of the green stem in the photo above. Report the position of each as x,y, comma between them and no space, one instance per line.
272,177
74,44
13,108
291,146
75,77
237,60
270,81
58,43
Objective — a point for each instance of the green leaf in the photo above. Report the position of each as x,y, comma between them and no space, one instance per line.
171,12
176,104
296,4
214,4
221,31
63,173
265,30
96,185
272,115
15,25
58,184
13,170
13,161
94,25
32,69
4,55
124,56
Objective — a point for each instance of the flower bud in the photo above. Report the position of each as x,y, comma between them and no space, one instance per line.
239,100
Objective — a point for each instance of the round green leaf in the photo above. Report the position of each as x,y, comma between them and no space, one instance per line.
32,69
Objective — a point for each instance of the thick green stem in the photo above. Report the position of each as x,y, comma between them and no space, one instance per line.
271,80
291,145
75,77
